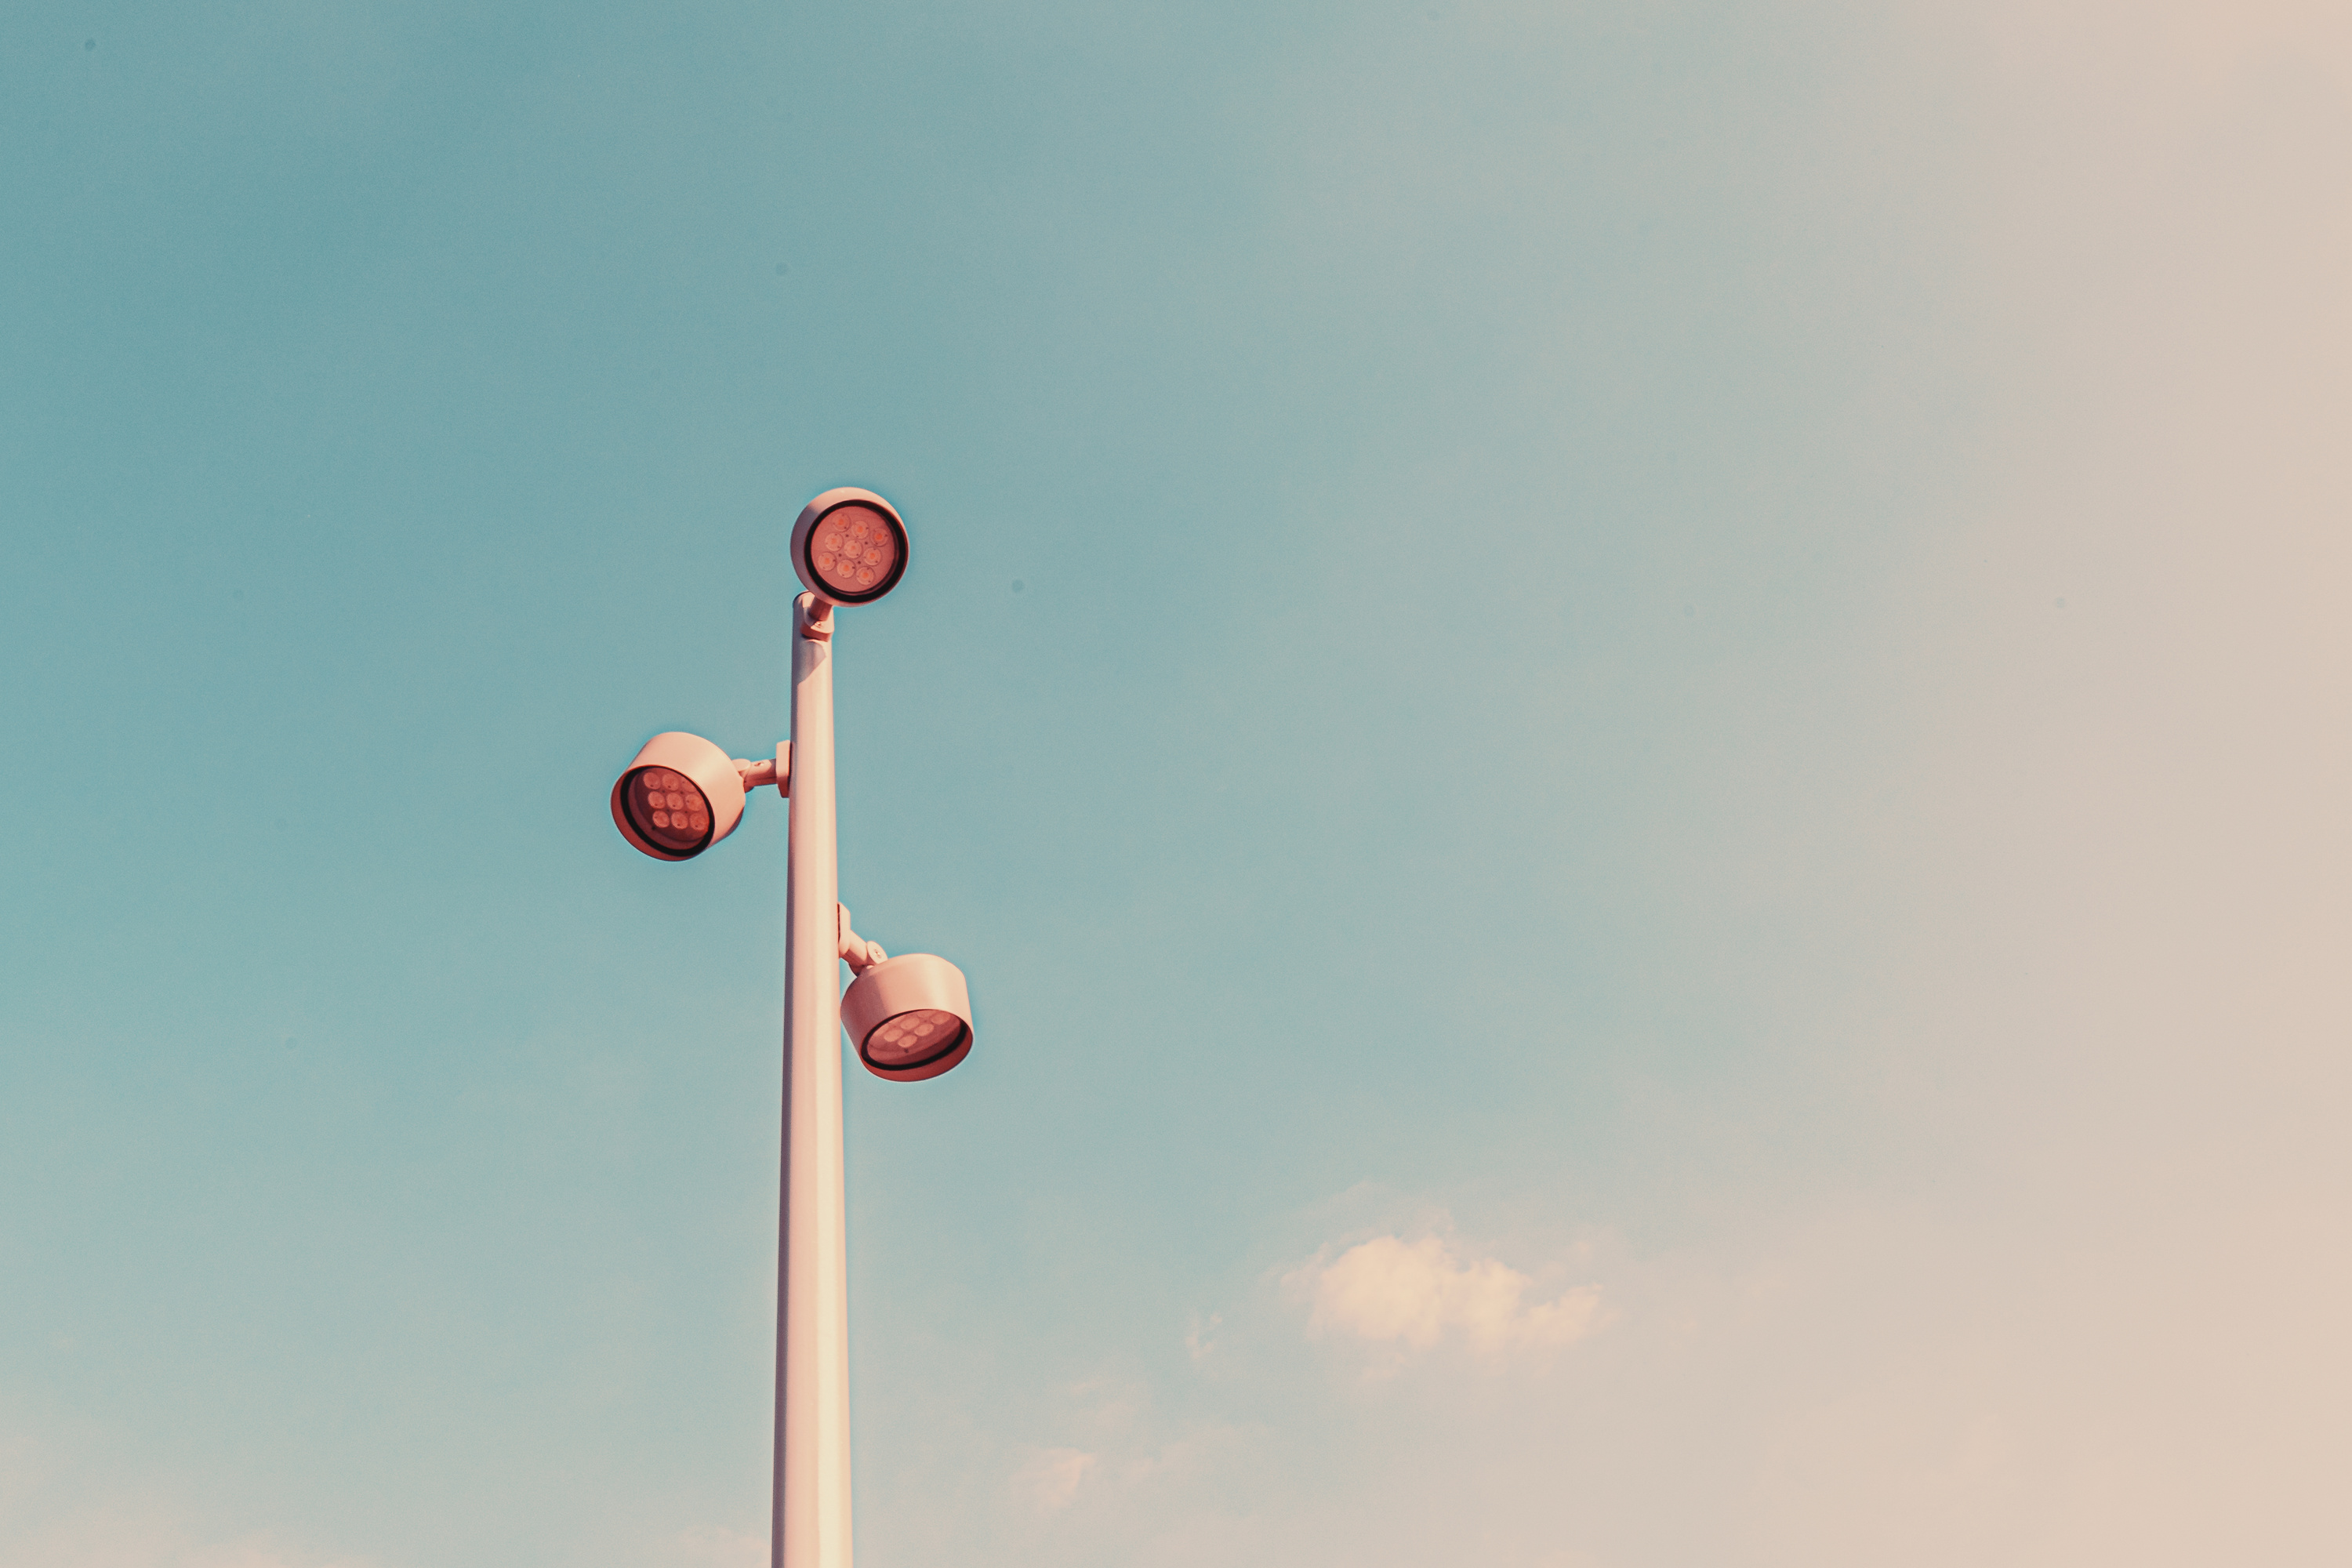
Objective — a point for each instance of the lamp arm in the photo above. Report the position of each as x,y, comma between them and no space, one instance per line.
856,951
776,770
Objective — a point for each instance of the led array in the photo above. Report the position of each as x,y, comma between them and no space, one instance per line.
913,1036
667,808
853,549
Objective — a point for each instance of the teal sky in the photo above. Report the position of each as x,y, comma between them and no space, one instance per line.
1632,717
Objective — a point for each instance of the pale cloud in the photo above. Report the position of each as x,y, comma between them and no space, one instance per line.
244,1555
57,1510
1117,1451
1412,1295
715,1546
1052,1477
2178,50
93,1541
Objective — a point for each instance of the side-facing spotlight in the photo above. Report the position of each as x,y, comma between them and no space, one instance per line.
910,1016
849,546
681,796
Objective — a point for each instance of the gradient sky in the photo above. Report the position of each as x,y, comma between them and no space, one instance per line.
1633,717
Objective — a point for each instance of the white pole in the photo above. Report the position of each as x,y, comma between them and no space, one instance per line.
810,1527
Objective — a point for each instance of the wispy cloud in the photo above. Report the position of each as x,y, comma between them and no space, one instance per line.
2161,59
146,1543
60,1507
1201,1338
715,1546
1052,1477
1409,1297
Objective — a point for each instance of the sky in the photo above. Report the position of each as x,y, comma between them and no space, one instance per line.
1632,717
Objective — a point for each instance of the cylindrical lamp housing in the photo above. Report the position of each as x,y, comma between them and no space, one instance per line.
679,797
909,1017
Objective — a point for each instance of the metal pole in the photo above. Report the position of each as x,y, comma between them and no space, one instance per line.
810,1526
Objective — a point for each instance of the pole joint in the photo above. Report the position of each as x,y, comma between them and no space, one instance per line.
776,770
813,617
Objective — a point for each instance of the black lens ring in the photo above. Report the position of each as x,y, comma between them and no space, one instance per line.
646,833
962,1032
898,563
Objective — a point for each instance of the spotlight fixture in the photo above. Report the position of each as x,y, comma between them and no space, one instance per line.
849,546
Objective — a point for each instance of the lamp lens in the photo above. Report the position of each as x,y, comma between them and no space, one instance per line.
913,1038
854,551
665,808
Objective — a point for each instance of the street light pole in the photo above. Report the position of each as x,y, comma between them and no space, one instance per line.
910,1017
810,1524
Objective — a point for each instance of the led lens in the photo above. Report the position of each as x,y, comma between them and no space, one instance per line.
665,806
855,552
913,1038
